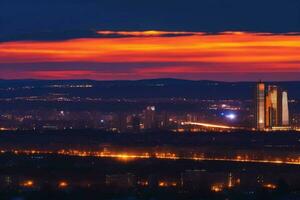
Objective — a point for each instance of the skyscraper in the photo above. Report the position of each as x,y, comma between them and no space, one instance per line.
285,109
271,107
260,106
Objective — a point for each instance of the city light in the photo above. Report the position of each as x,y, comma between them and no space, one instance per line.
217,188
28,183
231,116
270,186
208,125
62,184
167,184
134,155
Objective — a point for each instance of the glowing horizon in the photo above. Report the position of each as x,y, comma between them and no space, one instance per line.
155,54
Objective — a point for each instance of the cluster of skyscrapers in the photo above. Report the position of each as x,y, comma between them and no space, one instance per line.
272,110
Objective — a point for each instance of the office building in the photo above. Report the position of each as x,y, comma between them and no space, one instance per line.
285,109
135,120
260,106
271,107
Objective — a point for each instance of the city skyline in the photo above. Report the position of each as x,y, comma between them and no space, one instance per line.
116,107
272,107
149,100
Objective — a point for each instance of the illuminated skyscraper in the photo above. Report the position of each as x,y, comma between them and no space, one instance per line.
285,109
273,106
260,106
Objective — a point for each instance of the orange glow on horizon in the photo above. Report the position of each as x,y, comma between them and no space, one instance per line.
150,33
185,52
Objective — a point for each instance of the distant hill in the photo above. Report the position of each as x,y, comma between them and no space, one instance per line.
151,88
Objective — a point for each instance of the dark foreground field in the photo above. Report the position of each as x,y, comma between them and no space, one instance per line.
32,166
91,178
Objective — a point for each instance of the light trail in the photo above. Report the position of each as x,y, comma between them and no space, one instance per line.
208,125
126,156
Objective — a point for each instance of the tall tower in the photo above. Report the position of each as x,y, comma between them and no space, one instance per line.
285,109
273,106
260,106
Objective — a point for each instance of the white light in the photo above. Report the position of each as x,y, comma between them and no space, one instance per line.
231,116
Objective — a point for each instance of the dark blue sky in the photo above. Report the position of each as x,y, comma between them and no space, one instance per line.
57,19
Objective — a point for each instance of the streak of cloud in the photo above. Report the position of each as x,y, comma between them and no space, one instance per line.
153,54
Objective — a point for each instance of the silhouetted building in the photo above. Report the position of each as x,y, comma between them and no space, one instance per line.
121,180
150,122
201,179
120,122
135,120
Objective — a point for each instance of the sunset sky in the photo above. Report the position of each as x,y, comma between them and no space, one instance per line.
38,40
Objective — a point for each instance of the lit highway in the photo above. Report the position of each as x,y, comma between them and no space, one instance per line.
208,125
128,156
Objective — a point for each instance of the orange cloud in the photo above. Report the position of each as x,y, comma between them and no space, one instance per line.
152,33
215,53
61,74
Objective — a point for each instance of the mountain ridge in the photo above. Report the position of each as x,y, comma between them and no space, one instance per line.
144,88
